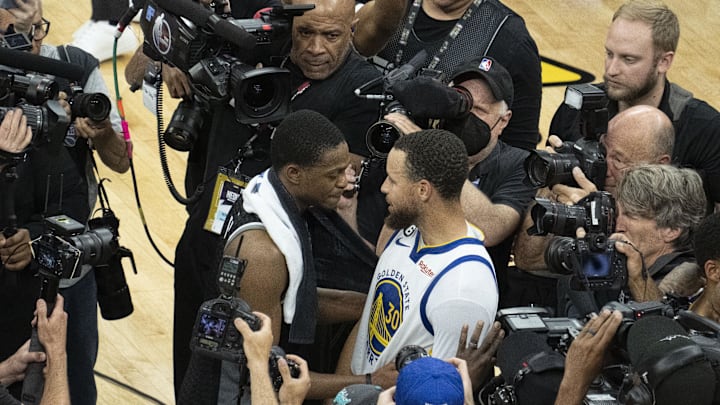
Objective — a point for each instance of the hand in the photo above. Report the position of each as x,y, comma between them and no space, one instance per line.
257,344
26,13
462,368
348,199
15,251
294,390
15,134
91,129
480,357
404,124
386,376
585,356
553,143
52,331
571,195
387,397
177,82
634,263
13,368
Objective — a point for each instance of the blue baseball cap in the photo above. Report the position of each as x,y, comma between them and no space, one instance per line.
429,381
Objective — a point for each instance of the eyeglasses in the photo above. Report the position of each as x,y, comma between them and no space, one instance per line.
40,30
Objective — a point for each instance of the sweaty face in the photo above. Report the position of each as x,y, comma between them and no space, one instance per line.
321,40
403,208
631,64
324,182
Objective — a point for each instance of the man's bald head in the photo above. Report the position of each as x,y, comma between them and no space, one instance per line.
648,126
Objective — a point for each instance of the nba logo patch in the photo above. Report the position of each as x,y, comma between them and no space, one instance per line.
485,64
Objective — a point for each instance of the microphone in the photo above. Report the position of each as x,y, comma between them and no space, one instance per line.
125,20
36,63
429,98
406,71
203,17
660,349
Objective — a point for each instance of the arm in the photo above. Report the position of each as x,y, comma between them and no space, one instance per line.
294,390
584,358
530,250
13,368
256,345
339,305
266,276
497,221
377,20
52,333
109,144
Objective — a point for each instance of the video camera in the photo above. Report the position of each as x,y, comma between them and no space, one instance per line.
37,96
220,56
547,169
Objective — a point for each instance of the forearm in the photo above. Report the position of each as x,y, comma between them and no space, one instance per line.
135,69
570,392
262,389
112,149
377,21
530,250
328,385
339,305
497,221
56,391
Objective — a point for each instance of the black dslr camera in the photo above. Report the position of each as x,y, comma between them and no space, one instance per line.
220,71
546,169
214,334
595,213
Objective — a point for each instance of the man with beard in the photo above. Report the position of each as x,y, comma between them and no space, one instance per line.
434,274
639,51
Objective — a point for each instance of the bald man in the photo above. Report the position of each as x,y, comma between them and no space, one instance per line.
638,135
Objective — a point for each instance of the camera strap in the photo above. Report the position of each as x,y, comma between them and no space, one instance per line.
447,42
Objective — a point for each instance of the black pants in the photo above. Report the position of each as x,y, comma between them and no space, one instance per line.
525,289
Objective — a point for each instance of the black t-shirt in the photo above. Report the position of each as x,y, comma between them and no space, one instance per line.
513,47
697,133
501,177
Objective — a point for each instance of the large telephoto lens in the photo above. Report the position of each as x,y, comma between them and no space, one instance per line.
96,246
185,125
546,169
558,219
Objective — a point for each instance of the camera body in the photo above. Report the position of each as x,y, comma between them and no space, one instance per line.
545,169
95,106
593,261
220,72
66,245
214,334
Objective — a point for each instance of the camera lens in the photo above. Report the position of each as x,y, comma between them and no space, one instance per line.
95,106
380,138
408,354
547,169
259,92
559,255
261,95
559,219
185,125
96,246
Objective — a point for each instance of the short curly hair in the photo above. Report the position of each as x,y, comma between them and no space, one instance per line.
302,138
437,156
707,240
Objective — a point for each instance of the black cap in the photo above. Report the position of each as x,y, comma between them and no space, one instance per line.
494,74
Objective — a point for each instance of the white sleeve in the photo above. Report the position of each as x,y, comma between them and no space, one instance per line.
465,295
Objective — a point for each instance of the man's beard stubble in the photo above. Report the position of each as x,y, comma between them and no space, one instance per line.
630,94
401,219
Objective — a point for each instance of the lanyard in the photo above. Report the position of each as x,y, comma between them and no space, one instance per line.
410,23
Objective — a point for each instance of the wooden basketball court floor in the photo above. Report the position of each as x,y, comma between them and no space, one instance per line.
137,350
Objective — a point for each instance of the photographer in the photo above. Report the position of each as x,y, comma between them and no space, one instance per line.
495,196
658,206
638,135
257,345
61,182
639,51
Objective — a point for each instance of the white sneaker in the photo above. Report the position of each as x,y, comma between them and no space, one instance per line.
81,30
97,39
